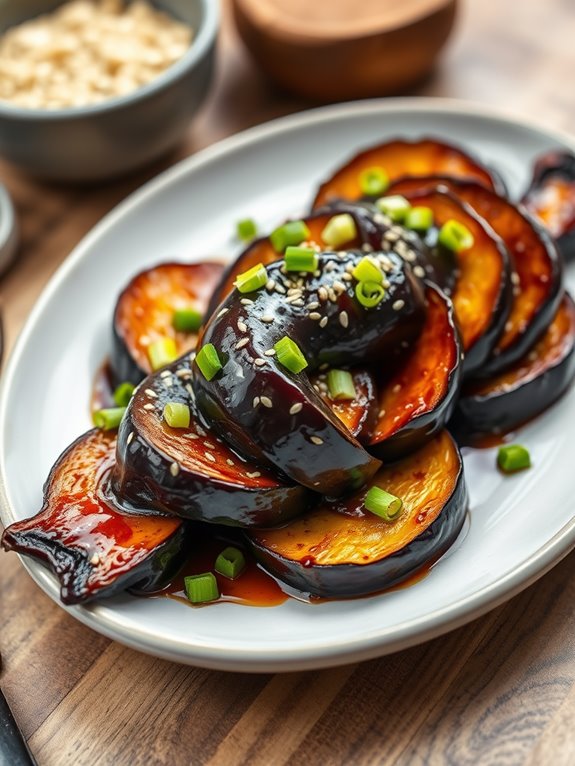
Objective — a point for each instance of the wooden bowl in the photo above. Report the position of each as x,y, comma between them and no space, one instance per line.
344,49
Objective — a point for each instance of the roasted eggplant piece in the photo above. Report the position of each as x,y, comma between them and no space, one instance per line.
483,292
92,548
417,401
500,404
341,550
264,410
190,472
551,198
358,415
145,310
399,158
536,265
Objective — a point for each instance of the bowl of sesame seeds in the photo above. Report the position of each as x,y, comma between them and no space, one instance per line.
93,89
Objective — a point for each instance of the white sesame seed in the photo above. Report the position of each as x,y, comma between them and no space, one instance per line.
151,393
315,316
347,277
313,305
367,248
168,382
331,294
281,290
241,343
323,322
409,256
381,413
316,440
266,401
317,273
339,286
209,445
244,302
200,430
508,326
190,390
396,388
253,475
229,461
183,374
294,291
419,271
165,374
259,362
267,318
255,402
242,327
174,469
149,406
343,319
210,457
324,366
130,437
515,278
95,560
322,293
270,284
295,408
193,437
221,312
398,305
295,299
270,352
349,268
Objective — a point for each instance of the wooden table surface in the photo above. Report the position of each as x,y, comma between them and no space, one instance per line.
498,691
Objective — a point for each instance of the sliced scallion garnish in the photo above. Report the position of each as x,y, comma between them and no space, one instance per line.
201,588
339,230
373,181
368,271
383,504
340,385
419,218
246,229
291,233
252,279
300,259
369,294
177,414
230,563
208,361
162,352
455,236
395,207
513,457
109,418
289,355
123,394
187,320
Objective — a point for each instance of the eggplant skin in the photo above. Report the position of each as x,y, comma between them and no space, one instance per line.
203,489
422,428
343,581
486,412
64,535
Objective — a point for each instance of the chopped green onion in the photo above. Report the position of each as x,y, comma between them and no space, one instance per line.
340,384
383,504
201,588
339,230
123,394
208,361
513,457
177,414
368,271
300,259
373,181
419,218
108,419
291,233
162,352
289,355
230,563
395,207
369,294
252,279
246,229
455,236
187,320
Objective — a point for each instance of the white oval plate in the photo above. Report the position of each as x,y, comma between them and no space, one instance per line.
519,526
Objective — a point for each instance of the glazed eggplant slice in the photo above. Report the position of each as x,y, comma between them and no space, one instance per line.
145,310
483,292
358,415
92,548
274,415
189,471
399,158
536,265
500,404
341,550
417,401
551,198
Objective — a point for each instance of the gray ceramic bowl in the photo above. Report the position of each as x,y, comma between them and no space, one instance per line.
97,142
8,232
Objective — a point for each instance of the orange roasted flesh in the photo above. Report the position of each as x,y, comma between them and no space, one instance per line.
417,400
535,262
404,158
145,310
91,547
340,549
358,415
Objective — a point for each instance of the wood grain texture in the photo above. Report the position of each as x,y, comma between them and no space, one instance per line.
498,692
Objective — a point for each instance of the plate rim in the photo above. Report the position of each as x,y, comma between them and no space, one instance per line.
377,642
